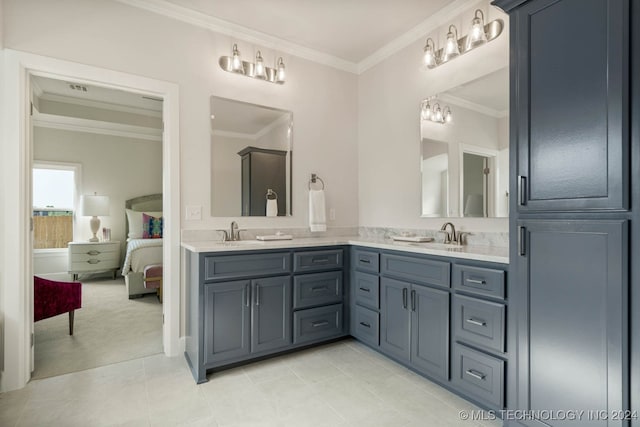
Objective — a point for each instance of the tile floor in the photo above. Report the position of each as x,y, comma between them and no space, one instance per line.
339,384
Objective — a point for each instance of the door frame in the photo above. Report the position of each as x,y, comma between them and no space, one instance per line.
16,275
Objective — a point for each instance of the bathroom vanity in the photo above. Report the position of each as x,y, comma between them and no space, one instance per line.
438,309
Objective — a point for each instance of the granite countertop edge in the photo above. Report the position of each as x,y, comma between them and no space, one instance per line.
478,253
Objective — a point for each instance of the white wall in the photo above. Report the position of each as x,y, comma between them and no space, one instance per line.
121,168
2,183
116,36
389,96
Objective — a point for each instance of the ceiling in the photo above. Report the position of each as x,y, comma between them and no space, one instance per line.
228,115
348,29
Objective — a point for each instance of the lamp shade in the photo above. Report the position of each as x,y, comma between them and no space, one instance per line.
93,205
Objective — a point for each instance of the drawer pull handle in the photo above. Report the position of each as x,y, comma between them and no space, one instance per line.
93,261
476,322
475,374
320,260
318,324
93,252
365,289
477,282
365,261
365,324
319,289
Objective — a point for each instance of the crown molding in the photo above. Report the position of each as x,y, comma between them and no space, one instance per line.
180,13
479,108
52,121
240,32
100,104
235,135
420,31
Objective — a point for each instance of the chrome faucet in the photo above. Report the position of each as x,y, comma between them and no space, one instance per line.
234,231
449,237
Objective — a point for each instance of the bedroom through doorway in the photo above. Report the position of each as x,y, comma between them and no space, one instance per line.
108,144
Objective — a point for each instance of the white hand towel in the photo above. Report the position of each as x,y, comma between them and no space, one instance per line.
317,216
272,207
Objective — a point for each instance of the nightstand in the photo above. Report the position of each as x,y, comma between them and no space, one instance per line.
93,257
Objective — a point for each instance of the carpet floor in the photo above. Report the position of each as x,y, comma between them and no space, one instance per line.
109,328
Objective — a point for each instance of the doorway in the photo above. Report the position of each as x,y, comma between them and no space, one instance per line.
17,154
93,149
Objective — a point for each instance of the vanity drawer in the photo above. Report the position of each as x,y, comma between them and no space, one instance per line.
366,289
317,289
317,260
479,375
231,266
366,261
416,270
316,324
480,281
479,322
366,326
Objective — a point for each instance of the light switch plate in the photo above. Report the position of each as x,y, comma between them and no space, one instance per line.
193,213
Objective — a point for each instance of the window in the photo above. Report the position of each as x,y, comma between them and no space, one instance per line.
54,195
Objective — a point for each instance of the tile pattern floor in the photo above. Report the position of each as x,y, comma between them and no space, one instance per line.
339,384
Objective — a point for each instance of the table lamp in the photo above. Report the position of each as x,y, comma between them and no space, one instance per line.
94,206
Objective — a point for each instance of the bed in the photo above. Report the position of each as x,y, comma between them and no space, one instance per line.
140,252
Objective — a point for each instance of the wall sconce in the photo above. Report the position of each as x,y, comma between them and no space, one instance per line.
435,113
454,47
257,70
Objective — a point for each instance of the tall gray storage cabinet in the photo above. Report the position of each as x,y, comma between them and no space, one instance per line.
262,170
573,152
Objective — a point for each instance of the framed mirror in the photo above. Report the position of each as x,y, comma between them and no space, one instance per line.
465,149
251,159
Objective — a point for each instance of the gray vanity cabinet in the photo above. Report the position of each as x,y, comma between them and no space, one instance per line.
572,107
270,313
247,316
573,319
395,318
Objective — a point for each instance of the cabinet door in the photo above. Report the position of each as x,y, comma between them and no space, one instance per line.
571,298
571,112
430,331
395,318
226,320
271,313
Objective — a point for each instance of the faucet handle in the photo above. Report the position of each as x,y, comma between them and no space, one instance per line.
447,236
225,235
462,237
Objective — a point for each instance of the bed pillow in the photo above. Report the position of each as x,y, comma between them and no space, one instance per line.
134,218
151,227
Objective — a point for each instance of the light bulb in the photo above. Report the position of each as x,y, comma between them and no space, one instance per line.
280,74
236,61
429,54
259,69
448,117
451,48
438,115
477,35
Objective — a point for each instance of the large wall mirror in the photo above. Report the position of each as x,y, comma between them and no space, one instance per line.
465,149
250,159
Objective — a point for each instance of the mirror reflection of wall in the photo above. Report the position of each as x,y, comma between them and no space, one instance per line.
477,142
250,159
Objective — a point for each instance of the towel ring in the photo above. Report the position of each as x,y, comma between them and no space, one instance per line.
314,179
270,192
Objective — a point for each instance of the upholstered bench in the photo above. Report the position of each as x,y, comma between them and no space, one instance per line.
51,298
153,278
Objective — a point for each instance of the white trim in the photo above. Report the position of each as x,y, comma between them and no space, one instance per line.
442,17
75,124
16,162
228,134
479,108
190,16
240,32
98,104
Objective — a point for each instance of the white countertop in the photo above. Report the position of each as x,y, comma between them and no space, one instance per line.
479,253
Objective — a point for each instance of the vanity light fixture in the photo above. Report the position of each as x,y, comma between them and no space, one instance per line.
435,113
454,46
257,70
